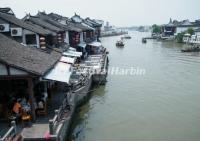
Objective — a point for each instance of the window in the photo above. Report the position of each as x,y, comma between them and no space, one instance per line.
31,39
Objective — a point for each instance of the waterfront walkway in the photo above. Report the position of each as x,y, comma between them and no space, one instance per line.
40,128
41,125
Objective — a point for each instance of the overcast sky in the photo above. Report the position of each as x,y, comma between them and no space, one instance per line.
117,12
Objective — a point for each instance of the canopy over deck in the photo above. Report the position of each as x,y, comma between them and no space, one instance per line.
72,49
95,44
61,73
72,53
83,45
69,60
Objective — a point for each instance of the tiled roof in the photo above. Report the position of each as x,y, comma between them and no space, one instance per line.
66,27
38,21
92,22
12,19
32,60
7,10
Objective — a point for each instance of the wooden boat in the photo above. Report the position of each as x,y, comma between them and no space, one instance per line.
144,40
193,49
120,43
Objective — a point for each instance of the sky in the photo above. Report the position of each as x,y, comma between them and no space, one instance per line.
117,12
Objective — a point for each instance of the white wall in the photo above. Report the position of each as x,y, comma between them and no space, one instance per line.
3,70
27,32
197,33
14,71
186,39
67,37
81,37
193,39
183,29
63,22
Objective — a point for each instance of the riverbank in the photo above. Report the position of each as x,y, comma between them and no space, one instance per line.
110,34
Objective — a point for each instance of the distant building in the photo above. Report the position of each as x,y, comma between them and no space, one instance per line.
88,34
185,24
107,27
193,39
173,28
96,25
197,31
168,29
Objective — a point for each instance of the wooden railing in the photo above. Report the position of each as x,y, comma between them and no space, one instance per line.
11,132
53,123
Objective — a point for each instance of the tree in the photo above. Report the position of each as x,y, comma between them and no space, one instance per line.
190,31
179,37
156,28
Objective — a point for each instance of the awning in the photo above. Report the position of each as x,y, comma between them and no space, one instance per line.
187,34
61,72
72,53
83,45
69,60
72,49
76,52
95,44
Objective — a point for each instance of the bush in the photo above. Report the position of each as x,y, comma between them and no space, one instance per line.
190,31
179,37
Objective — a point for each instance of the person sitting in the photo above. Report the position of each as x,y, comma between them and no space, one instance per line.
17,108
41,104
41,107
26,107
26,117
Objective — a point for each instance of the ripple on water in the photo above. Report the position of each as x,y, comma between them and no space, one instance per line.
163,105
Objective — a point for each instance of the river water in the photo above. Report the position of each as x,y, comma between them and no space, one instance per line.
161,105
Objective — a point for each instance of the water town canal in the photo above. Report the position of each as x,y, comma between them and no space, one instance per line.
162,105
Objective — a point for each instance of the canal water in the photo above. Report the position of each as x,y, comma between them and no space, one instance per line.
161,105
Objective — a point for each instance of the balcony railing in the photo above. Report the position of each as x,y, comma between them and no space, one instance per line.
11,132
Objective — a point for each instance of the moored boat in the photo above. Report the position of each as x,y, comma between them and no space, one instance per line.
192,49
120,43
144,40
126,36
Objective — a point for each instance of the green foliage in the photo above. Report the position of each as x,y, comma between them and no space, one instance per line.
156,28
179,37
190,31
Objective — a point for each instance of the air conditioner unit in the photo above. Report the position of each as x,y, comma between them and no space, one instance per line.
4,28
16,31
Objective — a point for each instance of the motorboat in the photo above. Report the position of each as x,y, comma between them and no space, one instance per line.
192,49
144,40
120,43
126,36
